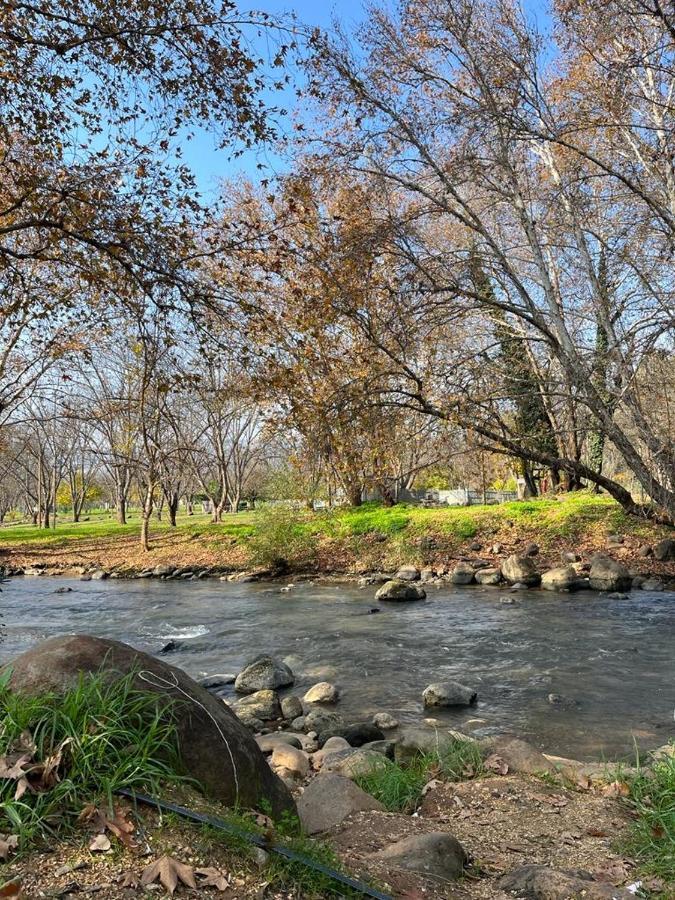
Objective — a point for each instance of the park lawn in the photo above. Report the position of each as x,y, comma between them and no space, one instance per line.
365,538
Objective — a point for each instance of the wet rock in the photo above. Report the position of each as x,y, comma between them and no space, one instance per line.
291,708
216,681
617,595
652,584
268,742
319,720
99,575
542,883
436,855
170,647
262,704
329,799
295,761
160,570
386,748
63,590
264,673
356,735
664,551
400,590
520,570
517,754
323,692
637,582
353,763
463,573
608,575
561,579
508,601
408,573
448,693
384,721
201,723
489,576
563,702
298,724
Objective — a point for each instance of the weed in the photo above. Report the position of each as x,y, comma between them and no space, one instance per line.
652,798
282,539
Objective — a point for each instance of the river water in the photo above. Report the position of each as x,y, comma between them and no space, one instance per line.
614,658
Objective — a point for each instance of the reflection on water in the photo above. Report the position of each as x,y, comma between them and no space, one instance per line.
613,657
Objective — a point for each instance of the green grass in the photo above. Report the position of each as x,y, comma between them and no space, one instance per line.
111,736
652,798
399,787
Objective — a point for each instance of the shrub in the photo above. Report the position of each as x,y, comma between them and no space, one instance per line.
282,540
652,797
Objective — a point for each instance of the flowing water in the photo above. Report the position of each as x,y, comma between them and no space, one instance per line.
615,658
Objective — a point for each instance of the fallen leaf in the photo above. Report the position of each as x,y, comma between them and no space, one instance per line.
118,825
8,844
616,789
12,889
213,878
128,880
596,832
100,844
583,782
169,872
496,764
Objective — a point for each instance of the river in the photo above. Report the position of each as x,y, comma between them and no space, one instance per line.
614,658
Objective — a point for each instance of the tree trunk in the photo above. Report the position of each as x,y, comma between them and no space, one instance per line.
172,506
354,495
146,513
121,505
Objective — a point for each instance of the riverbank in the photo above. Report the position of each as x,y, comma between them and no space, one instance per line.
345,542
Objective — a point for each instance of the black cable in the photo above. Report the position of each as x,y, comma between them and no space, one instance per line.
255,839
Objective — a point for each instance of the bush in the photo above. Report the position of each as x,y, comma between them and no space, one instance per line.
652,797
282,540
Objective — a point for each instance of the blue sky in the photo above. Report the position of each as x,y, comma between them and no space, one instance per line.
212,165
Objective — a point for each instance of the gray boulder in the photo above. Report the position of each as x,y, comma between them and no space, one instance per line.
652,584
268,742
323,692
356,735
291,707
561,579
216,681
608,575
415,741
408,573
400,590
520,570
262,704
489,576
436,855
463,573
542,883
354,763
385,721
320,720
215,747
264,673
664,551
448,693
517,754
329,799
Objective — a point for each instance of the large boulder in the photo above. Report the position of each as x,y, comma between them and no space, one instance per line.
215,747
449,693
329,799
322,720
518,755
408,573
609,575
414,741
400,590
520,570
354,763
323,692
536,882
564,578
436,855
262,705
463,573
489,576
263,674
664,551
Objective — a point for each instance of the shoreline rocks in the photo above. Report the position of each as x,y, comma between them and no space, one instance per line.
448,694
398,590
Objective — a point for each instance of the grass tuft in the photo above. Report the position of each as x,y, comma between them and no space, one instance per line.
652,798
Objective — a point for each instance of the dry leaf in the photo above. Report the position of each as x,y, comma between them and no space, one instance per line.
583,782
169,872
12,889
8,844
616,789
118,825
495,763
213,878
100,844
129,879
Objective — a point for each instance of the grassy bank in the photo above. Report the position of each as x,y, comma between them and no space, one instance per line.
344,540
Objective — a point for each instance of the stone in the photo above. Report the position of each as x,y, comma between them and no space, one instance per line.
319,720
400,590
353,763
531,549
332,745
170,647
298,724
536,882
476,546
262,704
567,558
435,855
291,708
329,799
356,735
264,673
489,576
448,693
414,741
99,575
561,579
323,692
426,574
614,539
268,742
287,757
384,721
664,551
562,701
162,569
215,748
645,550
248,718
216,681
608,575
517,754
508,601
652,584
463,573
520,570
386,748
408,573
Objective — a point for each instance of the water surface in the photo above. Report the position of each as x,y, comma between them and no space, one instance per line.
615,658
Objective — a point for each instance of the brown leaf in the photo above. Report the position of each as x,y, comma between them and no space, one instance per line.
169,872
596,832
12,889
495,763
100,844
8,844
583,782
129,879
118,825
213,878
616,789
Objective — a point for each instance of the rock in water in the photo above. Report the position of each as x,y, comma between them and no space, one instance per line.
463,573
329,799
216,749
608,575
408,573
323,692
449,693
436,855
520,570
262,704
400,590
291,707
489,576
564,578
264,673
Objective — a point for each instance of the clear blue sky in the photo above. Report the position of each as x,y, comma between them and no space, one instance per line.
212,165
